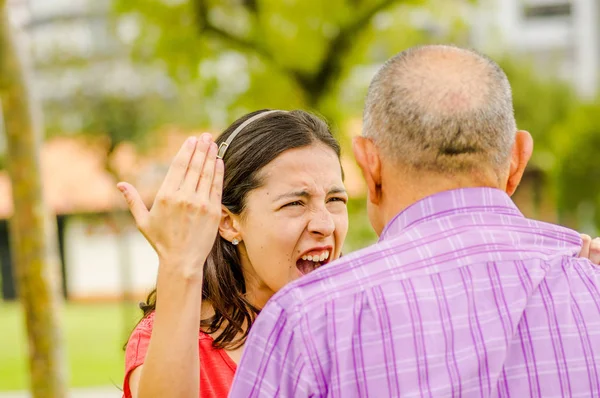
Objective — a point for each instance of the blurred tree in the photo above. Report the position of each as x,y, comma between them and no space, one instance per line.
229,57
567,143
540,103
577,176
32,228
117,119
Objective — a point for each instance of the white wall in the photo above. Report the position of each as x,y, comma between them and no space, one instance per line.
572,41
587,51
92,263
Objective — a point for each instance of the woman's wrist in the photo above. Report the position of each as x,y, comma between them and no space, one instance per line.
179,290
180,271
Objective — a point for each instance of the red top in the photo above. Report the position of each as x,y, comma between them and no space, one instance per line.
216,367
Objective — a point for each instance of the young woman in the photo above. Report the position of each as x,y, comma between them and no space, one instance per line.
229,233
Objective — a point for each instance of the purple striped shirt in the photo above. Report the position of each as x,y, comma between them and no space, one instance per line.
461,297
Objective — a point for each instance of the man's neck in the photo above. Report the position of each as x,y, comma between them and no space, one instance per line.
399,193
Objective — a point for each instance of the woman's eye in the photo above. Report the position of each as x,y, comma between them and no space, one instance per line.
296,203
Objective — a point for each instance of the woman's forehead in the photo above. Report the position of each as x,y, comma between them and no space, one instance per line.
309,166
303,184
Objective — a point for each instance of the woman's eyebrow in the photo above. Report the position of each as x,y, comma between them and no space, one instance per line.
306,194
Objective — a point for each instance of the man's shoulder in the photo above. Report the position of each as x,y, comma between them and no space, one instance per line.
547,236
412,253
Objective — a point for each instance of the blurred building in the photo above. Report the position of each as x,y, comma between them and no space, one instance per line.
69,40
562,37
79,49
72,48
76,49
103,255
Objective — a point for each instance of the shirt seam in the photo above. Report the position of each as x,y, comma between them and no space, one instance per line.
295,323
304,354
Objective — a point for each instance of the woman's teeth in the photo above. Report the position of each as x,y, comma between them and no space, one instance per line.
317,258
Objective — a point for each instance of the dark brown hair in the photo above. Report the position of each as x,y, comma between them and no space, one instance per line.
253,148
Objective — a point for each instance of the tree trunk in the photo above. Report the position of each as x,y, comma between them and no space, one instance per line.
32,228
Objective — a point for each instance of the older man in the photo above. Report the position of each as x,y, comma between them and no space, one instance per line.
462,295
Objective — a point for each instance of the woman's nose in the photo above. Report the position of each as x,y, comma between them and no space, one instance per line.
321,223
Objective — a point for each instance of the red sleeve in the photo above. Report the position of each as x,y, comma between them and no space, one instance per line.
136,350
216,368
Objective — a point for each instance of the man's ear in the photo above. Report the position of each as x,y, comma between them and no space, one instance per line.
229,227
368,159
521,153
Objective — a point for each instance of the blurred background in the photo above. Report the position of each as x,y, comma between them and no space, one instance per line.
122,82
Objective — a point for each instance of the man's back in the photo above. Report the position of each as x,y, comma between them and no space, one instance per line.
462,296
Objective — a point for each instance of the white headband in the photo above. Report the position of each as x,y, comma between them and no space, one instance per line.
224,145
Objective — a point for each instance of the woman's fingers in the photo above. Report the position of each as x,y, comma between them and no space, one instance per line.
585,248
184,219
595,251
196,165
216,191
590,249
206,178
179,167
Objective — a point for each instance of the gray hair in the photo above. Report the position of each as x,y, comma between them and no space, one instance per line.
441,108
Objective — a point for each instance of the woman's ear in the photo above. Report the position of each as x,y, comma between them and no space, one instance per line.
229,228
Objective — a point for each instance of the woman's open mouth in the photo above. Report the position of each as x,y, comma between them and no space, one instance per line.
312,260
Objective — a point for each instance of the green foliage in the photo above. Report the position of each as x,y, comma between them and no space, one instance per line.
566,134
237,56
577,175
120,119
360,233
540,102
110,118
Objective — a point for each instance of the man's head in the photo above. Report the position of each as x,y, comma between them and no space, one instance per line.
438,118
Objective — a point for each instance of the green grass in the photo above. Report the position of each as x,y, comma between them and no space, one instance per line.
94,333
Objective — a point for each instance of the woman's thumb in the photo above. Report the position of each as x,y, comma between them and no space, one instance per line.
138,209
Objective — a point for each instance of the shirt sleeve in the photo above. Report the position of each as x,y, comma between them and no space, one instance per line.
274,363
136,350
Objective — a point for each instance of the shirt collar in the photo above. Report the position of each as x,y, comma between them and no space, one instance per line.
464,200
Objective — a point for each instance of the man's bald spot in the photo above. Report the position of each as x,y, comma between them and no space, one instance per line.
445,79
441,108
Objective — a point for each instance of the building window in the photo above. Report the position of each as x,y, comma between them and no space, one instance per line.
537,9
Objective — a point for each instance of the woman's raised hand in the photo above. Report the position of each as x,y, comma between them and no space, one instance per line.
183,222
590,249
